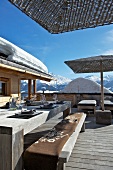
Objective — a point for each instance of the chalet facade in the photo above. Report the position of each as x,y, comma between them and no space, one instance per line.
17,65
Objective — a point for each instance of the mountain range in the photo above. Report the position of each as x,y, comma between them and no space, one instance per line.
107,80
61,82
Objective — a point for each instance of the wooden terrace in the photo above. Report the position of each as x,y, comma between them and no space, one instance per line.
93,149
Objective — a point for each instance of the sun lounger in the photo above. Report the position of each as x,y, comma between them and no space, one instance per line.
87,105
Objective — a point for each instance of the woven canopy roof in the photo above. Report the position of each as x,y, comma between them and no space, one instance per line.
92,64
102,63
59,16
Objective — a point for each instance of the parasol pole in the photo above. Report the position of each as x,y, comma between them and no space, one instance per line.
102,88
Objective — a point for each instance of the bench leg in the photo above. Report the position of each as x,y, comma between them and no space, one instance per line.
66,112
61,166
83,128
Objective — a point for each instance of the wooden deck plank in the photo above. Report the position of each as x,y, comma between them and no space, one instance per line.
92,153
92,156
92,161
95,145
94,148
86,166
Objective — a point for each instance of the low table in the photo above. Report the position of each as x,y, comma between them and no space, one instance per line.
108,105
87,105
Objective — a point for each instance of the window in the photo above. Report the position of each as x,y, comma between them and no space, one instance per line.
2,88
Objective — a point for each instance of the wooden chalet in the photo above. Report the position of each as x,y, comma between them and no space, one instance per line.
11,74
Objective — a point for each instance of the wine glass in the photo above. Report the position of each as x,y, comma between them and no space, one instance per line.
55,97
42,98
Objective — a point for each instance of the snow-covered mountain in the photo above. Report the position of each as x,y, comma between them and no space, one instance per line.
83,85
107,80
61,82
93,78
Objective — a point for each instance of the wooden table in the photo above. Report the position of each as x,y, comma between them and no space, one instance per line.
87,105
12,131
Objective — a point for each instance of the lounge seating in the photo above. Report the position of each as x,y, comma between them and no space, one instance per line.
108,105
87,105
53,150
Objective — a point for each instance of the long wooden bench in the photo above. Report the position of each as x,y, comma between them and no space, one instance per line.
69,145
33,156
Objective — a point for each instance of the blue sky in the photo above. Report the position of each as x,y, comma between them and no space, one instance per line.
53,49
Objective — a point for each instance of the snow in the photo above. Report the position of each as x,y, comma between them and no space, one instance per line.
58,80
47,91
93,78
20,56
82,85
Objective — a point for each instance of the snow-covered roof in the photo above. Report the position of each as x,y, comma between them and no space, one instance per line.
20,56
82,85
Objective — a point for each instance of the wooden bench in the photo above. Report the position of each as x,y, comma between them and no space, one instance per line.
66,150
69,145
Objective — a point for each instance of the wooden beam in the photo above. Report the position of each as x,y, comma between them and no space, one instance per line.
11,67
4,79
24,74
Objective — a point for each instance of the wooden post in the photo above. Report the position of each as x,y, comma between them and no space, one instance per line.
102,88
19,90
61,166
83,128
10,90
34,87
29,89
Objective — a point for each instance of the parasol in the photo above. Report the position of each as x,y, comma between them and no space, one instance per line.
102,63
59,16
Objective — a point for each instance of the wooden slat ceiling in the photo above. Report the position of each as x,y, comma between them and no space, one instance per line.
59,16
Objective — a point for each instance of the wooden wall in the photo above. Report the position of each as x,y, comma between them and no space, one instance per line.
74,97
12,86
